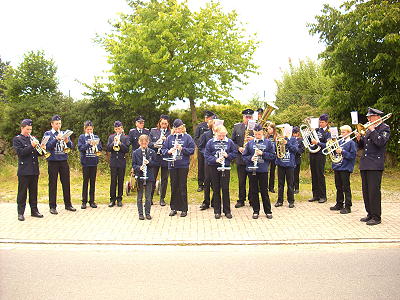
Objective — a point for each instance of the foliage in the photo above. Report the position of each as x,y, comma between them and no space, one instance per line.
362,57
295,114
4,65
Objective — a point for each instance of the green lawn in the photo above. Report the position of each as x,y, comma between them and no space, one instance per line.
9,182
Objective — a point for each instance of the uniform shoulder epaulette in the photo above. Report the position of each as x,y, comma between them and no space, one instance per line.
154,128
237,123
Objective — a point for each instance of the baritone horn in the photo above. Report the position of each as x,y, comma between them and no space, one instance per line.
282,133
308,134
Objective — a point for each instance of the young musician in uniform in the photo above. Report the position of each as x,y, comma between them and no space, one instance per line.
134,133
89,161
219,153
271,135
142,163
157,137
317,161
372,165
238,135
178,148
297,135
58,164
286,167
200,129
28,169
118,145
343,169
260,112
259,152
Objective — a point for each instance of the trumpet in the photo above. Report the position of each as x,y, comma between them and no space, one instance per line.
308,133
66,134
221,157
362,129
117,141
94,142
38,147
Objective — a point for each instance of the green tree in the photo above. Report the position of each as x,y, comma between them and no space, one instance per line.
163,52
4,65
362,57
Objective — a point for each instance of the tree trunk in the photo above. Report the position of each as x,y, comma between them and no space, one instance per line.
194,114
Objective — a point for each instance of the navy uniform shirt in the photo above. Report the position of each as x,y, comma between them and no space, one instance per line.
289,160
155,135
134,134
373,145
117,159
323,135
183,159
300,150
137,162
238,138
27,156
88,157
349,152
213,148
263,160
56,147
208,135
200,129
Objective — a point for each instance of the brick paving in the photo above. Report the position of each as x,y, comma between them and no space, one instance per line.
305,222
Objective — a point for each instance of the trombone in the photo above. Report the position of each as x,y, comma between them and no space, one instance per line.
362,129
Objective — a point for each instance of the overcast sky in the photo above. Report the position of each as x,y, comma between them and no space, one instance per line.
65,31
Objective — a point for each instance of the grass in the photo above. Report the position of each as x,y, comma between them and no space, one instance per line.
9,183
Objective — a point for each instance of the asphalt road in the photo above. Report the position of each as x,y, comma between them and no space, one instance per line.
202,272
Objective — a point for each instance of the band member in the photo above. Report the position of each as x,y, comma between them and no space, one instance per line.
271,135
372,165
134,133
343,169
260,112
89,146
297,135
317,161
28,169
257,156
238,135
58,164
200,129
157,137
118,145
219,153
286,167
208,135
142,164
177,150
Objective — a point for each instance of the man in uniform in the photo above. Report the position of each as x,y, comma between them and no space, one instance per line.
28,170
200,129
134,133
58,164
372,165
317,161
238,138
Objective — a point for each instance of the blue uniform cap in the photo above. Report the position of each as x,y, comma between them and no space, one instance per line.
374,112
295,129
117,124
260,110
258,127
56,118
88,123
324,117
26,122
139,119
177,123
208,113
248,112
165,117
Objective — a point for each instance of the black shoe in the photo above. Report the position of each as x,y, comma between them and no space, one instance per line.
162,202
228,215
322,200
93,205
239,204
36,214
255,216
204,206
277,204
373,222
296,191
269,216
365,219
313,199
141,217
336,207
53,211
83,206
183,213
119,203
70,208
200,189
272,190
112,203
172,213
345,210
217,216
21,218
291,205
148,217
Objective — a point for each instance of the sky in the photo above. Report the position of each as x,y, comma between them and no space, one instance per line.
65,30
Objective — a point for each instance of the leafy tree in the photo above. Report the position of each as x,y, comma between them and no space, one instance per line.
163,52
4,65
362,57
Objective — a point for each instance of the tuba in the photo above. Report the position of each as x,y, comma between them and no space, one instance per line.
308,133
263,121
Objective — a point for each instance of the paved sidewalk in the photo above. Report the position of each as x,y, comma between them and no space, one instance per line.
306,223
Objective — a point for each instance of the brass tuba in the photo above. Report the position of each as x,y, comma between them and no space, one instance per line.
263,121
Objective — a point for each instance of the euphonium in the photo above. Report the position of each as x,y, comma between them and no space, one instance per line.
117,140
308,135
280,144
331,146
362,129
